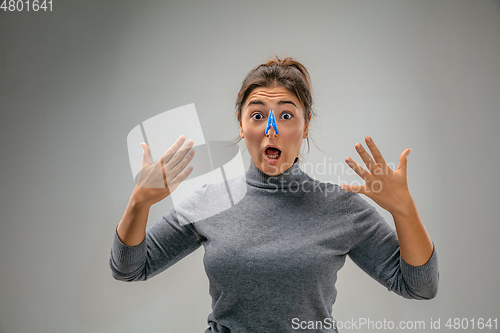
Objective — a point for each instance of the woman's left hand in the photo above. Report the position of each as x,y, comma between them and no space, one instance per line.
388,188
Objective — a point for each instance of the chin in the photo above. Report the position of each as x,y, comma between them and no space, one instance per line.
277,168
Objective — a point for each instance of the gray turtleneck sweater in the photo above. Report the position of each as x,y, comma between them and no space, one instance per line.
272,258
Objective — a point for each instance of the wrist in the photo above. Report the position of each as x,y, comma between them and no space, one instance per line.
406,208
139,201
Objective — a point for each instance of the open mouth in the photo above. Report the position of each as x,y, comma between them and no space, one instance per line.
272,153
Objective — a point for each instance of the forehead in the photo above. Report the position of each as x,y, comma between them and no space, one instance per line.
271,95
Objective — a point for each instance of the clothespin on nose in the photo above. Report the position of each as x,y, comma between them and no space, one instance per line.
271,121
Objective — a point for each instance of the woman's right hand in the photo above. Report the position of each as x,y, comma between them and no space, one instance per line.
159,180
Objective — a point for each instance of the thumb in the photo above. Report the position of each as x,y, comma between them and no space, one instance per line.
403,160
146,154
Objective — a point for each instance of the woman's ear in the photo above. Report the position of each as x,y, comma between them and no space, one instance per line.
306,127
241,127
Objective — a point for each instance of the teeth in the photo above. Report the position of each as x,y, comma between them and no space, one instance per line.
273,156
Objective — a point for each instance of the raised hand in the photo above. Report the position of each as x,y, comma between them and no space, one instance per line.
387,187
160,179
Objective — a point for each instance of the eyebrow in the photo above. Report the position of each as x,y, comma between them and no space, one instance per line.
259,102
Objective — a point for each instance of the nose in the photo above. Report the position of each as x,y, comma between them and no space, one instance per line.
271,122
271,133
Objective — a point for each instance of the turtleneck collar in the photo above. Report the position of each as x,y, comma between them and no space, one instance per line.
291,177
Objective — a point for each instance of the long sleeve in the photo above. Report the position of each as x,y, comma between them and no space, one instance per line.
376,251
166,242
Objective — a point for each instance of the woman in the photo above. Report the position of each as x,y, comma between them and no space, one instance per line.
272,259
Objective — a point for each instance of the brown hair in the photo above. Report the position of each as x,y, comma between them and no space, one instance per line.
285,72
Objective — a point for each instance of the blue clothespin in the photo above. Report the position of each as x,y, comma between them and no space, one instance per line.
271,122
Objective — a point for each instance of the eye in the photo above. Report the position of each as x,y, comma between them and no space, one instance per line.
286,115
257,116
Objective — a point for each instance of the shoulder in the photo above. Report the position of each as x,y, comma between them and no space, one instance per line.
232,188
332,193
329,190
213,198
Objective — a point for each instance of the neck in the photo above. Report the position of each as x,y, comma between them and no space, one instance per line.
291,177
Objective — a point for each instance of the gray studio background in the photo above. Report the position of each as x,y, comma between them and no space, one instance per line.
73,82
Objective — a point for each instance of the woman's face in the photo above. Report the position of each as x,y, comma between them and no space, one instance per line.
273,154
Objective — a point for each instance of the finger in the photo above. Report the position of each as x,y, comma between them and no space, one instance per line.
179,156
173,149
403,160
366,158
354,188
377,155
146,155
356,167
180,178
181,165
